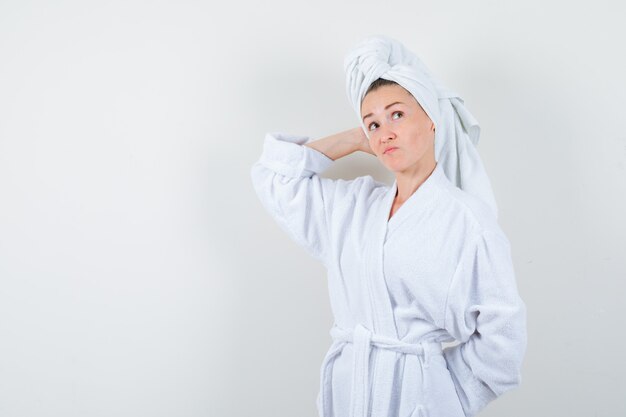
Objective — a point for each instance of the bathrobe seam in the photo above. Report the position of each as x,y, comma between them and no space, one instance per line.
469,248
467,207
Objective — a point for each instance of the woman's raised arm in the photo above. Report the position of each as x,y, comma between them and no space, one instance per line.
341,144
286,181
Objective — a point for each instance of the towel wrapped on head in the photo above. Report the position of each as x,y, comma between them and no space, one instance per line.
456,130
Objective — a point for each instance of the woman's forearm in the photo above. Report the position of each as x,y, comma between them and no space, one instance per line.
340,144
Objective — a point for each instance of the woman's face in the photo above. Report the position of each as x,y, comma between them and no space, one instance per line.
400,132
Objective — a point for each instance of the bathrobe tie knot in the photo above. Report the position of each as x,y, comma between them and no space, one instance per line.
362,340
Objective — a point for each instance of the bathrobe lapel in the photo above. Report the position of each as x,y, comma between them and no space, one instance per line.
382,318
383,321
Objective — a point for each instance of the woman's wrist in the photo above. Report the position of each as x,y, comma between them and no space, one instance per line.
362,141
339,144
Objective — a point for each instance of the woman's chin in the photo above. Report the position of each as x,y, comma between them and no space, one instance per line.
394,167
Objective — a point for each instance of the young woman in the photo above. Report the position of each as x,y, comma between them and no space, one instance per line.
410,265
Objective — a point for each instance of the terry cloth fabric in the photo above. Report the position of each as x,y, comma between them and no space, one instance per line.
456,130
439,270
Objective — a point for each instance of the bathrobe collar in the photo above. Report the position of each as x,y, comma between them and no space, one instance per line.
421,197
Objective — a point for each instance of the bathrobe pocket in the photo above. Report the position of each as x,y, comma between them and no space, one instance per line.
442,399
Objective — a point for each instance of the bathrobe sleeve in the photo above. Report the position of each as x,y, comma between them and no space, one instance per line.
486,315
286,181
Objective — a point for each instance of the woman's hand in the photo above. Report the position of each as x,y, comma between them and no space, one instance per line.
362,141
342,143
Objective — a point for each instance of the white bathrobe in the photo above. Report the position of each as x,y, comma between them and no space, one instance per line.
439,270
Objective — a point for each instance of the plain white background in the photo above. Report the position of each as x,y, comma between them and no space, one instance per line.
139,274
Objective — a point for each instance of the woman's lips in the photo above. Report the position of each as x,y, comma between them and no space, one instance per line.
390,150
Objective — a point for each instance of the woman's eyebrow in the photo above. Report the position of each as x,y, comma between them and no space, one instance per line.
386,107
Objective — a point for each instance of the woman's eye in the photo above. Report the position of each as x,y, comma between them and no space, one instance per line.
392,116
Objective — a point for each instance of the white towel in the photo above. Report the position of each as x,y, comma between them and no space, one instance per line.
456,130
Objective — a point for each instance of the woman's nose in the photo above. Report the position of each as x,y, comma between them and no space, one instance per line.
386,134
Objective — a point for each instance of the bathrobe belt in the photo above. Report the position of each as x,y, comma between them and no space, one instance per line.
362,339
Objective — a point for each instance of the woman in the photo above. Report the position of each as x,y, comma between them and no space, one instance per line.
410,265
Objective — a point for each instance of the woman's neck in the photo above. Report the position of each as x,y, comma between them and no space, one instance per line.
408,183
